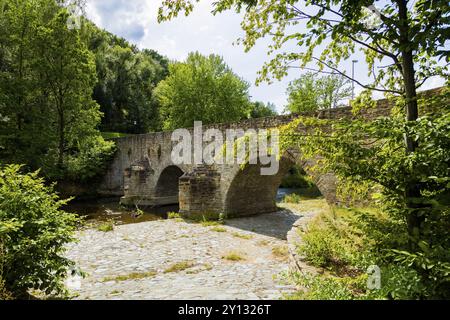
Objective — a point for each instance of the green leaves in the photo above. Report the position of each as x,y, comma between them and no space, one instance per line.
311,92
126,78
327,32
202,88
46,83
33,233
369,156
9,226
259,110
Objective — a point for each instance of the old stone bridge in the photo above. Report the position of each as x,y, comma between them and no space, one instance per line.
143,173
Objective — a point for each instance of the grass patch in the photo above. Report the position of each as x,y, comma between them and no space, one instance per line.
280,251
208,223
233,256
315,205
131,276
218,229
195,217
185,236
263,243
179,266
343,242
115,292
242,236
302,195
207,267
174,215
195,271
112,135
107,226
296,178
204,267
334,241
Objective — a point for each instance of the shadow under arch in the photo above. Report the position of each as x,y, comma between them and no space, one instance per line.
251,193
167,187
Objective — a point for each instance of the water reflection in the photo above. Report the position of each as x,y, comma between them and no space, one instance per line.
95,211
98,211
283,192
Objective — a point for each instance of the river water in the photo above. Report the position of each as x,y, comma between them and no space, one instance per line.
97,211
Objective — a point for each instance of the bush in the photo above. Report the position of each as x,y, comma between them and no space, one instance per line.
107,226
90,160
327,288
174,215
292,198
296,178
346,242
331,241
4,294
411,189
34,232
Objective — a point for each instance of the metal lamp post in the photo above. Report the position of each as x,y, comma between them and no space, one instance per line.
353,77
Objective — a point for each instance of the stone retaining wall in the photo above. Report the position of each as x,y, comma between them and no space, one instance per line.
297,262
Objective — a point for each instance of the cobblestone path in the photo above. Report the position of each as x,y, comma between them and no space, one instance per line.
174,259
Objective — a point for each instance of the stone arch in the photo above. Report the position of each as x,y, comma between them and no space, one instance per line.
249,192
167,186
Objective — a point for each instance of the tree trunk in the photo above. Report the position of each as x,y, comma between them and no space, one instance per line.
412,188
61,137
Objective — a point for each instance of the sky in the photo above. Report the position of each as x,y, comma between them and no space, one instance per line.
136,21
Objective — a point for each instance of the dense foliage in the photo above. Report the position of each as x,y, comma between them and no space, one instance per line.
203,89
311,92
260,110
369,157
60,85
321,34
296,178
33,234
48,116
126,77
4,293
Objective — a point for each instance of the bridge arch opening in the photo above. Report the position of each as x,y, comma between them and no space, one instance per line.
297,186
167,187
252,193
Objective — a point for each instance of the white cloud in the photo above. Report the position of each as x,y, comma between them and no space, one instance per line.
136,20
201,31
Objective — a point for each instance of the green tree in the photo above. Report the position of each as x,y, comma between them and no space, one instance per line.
126,79
413,37
369,159
311,92
260,109
46,83
34,232
67,72
204,89
18,84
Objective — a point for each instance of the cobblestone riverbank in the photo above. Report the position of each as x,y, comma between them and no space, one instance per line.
175,259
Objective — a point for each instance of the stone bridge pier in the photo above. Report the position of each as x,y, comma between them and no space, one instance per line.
232,191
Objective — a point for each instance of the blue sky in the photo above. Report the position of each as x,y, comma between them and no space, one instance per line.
136,20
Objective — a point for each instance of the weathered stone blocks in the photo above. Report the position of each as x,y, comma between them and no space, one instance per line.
142,172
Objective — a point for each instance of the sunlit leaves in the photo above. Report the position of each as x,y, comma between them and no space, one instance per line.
202,88
33,233
331,31
311,92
